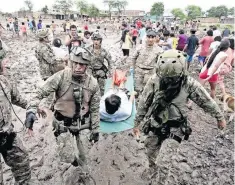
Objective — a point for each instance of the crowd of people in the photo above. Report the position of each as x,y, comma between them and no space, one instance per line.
75,70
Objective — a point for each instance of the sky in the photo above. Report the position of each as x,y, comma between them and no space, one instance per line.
15,5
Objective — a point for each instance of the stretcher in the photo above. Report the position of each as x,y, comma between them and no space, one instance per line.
112,127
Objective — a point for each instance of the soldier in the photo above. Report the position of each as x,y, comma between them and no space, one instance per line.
143,61
11,147
99,70
77,97
48,62
162,108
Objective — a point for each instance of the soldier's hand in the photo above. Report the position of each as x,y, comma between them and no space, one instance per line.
42,113
30,119
136,132
94,137
221,124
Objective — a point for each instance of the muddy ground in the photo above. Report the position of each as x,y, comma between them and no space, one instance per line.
117,159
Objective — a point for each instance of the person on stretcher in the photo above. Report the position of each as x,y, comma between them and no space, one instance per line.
116,104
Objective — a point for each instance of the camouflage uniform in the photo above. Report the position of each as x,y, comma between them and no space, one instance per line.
98,67
144,60
11,147
174,112
63,84
47,60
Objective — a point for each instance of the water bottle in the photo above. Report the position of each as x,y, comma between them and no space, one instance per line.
131,71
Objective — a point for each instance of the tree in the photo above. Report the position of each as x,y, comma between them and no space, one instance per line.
120,5
45,9
110,4
157,9
93,11
29,4
231,11
193,11
218,11
177,12
22,11
63,6
82,6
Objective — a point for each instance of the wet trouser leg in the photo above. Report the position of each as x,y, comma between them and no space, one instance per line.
82,158
152,147
164,160
17,158
101,82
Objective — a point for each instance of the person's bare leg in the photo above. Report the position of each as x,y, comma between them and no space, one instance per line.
213,87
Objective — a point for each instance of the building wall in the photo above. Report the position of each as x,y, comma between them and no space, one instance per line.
208,19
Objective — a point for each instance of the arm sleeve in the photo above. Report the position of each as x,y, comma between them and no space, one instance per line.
135,55
108,57
201,97
145,102
51,85
201,41
94,109
17,98
48,55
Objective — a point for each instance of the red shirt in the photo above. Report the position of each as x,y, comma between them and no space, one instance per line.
85,27
134,32
139,24
205,42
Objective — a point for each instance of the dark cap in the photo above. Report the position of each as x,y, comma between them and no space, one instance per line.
151,33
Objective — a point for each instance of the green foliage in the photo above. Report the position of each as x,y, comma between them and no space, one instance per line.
119,5
29,4
63,5
177,12
82,6
218,11
231,11
45,9
157,9
93,11
193,11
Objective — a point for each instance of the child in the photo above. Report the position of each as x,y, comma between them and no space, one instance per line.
191,46
174,41
127,43
23,30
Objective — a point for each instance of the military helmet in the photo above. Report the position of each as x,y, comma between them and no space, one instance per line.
96,35
42,33
151,33
171,63
80,56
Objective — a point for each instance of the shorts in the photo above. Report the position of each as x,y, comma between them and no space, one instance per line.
201,58
189,58
125,52
172,28
203,75
134,38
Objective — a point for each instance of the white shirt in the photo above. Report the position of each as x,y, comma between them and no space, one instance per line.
122,113
60,53
173,24
216,33
214,45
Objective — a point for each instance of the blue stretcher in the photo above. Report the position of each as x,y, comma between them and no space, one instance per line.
111,127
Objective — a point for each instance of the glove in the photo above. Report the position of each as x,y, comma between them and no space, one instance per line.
94,137
30,119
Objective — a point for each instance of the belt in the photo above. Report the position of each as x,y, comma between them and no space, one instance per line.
67,121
